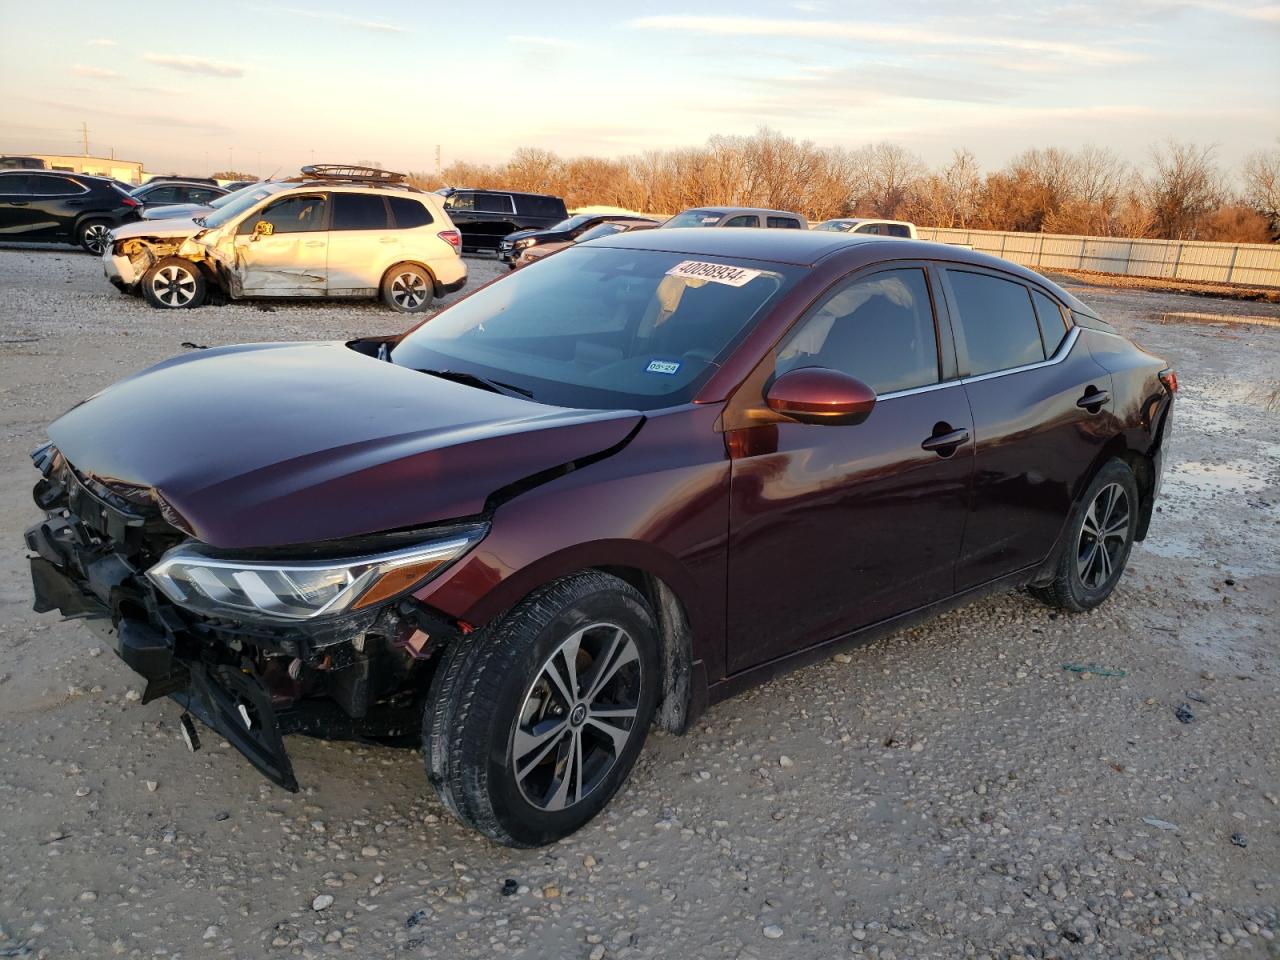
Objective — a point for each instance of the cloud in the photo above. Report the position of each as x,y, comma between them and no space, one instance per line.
201,65
875,33
809,6
377,26
195,124
545,42
98,73
102,42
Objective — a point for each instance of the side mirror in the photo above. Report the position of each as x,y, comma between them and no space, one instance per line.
263,228
821,395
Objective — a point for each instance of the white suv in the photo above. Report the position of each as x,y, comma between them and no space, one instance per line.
333,232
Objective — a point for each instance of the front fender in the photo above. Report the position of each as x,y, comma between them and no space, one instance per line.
659,506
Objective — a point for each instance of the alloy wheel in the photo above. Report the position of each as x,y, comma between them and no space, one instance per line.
409,290
174,286
96,236
577,717
1104,534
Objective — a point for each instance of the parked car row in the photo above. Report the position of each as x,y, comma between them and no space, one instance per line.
48,206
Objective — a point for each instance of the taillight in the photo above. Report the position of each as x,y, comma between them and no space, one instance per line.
1170,380
130,202
453,238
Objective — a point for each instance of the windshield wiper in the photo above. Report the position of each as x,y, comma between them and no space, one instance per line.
484,383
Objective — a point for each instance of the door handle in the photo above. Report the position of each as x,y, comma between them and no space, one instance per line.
314,243
946,442
387,240
17,203
1093,400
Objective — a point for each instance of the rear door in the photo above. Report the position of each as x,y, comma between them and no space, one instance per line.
362,243
292,260
56,202
1036,394
836,527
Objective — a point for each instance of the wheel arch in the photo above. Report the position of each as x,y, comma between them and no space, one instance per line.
407,263
659,578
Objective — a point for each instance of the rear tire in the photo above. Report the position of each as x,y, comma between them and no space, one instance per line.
174,284
534,723
408,288
1095,548
94,235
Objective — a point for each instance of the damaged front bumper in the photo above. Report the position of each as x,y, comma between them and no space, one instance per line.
354,677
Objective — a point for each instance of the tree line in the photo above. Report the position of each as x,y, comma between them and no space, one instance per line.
1180,193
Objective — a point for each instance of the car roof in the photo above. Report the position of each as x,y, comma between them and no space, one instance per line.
181,183
726,210
807,248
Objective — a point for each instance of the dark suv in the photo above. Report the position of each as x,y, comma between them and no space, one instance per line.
596,495
62,207
484,217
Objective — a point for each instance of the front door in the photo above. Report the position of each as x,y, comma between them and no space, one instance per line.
1039,401
290,260
833,527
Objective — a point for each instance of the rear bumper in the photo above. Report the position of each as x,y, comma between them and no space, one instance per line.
442,289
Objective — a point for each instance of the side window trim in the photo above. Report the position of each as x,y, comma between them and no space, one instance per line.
962,349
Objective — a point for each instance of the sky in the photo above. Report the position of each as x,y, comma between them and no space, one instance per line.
263,87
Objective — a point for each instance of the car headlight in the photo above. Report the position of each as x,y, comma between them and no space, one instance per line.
197,578
526,242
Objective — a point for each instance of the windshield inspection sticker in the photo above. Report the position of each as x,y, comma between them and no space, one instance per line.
668,367
715,272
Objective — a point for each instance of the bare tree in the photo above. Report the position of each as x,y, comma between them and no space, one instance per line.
1262,184
1184,186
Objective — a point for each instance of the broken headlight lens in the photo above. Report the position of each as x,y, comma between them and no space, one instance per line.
198,578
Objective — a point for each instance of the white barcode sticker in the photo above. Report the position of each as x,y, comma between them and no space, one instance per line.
715,272
668,367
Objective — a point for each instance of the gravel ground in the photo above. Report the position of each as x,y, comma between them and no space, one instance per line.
950,791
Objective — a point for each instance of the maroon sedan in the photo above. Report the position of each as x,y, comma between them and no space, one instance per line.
598,494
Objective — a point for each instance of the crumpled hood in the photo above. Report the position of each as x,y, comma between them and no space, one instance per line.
175,227
170,211
278,444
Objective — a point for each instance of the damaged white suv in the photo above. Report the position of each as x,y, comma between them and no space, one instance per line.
331,232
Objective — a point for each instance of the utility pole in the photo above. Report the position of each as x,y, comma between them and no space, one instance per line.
84,136
437,159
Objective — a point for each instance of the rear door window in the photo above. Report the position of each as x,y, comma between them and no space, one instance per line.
879,329
461,201
409,213
163,195
202,195
897,230
783,223
1053,326
872,228
359,211
997,321
494,203
47,186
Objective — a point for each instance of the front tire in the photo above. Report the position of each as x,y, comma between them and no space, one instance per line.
174,284
94,235
408,288
1095,549
534,723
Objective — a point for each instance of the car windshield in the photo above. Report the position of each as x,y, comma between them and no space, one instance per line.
694,218
601,327
244,199
600,230
571,222
835,226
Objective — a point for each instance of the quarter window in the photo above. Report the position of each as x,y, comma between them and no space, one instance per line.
879,329
408,213
1053,328
298,214
873,228
998,322
897,230
743,220
784,223
359,211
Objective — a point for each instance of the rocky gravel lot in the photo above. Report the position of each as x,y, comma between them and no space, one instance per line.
951,791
